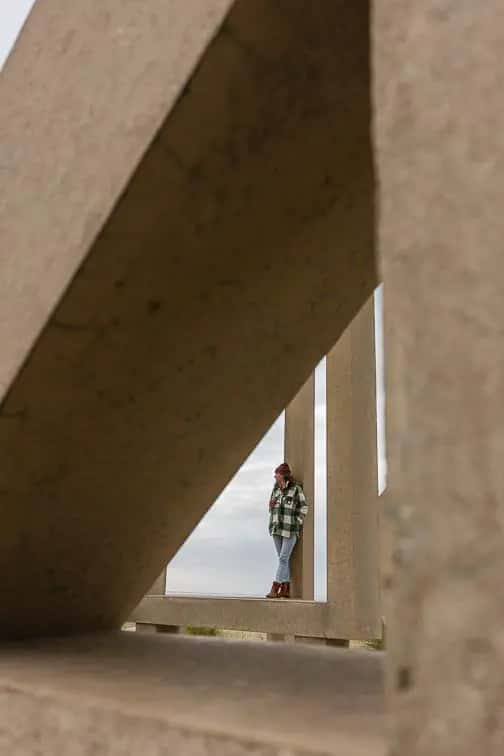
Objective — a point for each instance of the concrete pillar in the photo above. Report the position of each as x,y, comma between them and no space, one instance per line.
388,544
300,454
352,488
440,156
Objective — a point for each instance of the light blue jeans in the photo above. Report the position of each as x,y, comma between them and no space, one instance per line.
284,547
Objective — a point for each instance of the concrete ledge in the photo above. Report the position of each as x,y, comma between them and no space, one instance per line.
126,694
294,617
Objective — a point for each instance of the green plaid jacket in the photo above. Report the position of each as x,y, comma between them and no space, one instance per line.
288,508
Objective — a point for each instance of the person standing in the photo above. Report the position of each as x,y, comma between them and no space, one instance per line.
288,508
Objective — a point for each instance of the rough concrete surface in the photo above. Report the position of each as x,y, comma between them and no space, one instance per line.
77,116
439,104
352,477
131,694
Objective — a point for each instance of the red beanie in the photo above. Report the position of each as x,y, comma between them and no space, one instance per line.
284,470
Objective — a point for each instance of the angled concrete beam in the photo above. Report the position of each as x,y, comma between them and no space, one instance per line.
77,116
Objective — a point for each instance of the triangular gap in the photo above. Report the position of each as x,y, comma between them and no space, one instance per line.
230,552
12,19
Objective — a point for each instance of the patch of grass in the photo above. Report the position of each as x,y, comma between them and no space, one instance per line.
376,645
192,630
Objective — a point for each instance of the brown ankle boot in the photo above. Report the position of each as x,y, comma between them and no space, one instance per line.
275,588
284,591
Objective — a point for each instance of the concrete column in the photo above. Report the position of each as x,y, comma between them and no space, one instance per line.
300,454
440,147
352,488
388,541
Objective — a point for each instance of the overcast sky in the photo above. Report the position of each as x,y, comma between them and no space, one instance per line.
231,552
12,16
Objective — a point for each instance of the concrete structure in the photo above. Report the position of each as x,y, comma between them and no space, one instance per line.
353,567
234,241
317,619
167,228
352,610
300,453
160,695
440,148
